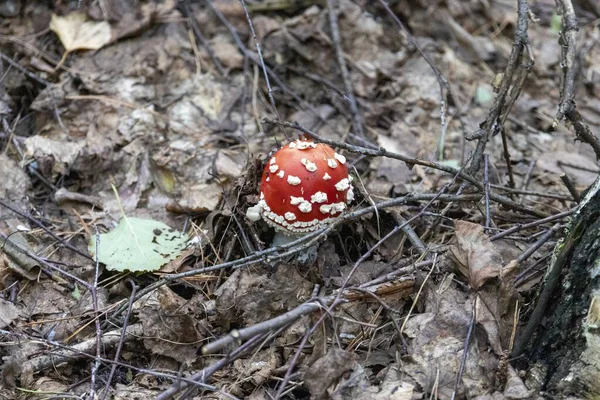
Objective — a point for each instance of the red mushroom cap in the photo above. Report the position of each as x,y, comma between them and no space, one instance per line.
304,184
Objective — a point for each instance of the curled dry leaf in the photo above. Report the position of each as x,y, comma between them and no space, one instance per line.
13,253
475,255
480,261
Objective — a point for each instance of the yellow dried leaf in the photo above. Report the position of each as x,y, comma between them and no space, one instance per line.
76,33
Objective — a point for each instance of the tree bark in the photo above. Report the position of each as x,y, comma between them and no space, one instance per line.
567,342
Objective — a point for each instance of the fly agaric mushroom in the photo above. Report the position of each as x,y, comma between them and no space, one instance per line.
304,184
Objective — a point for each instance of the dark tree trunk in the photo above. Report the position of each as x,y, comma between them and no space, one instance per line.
567,342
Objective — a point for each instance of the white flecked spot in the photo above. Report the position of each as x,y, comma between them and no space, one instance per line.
303,145
319,197
280,173
337,207
253,213
290,216
290,228
305,207
296,200
292,145
334,208
273,168
268,178
350,195
332,163
293,180
342,185
325,208
309,165
326,177
273,160
340,158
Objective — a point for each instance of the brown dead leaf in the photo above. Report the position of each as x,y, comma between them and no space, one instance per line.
258,368
495,308
229,55
199,198
14,248
475,255
14,183
169,325
393,387
327,370
56,152
8,313
436,340
251,296
133,21
229,165
47,384
559,162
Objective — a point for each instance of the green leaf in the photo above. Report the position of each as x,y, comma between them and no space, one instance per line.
556,23
450,163
76,294
138,245
483,96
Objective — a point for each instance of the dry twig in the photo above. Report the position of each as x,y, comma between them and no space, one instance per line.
337,41
567,106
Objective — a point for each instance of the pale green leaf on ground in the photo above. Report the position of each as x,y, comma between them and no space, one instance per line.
138,245
76,294
484,96
556,23
451,163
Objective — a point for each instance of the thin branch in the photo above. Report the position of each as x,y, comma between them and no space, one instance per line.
94,294
520,227
463,360
567,106
113,368
301,244
527,253
202,376
568,42
441,79
262,61
486,187
82,350
270,325
37,223
337,41
493,123
570,187
194,24
381,152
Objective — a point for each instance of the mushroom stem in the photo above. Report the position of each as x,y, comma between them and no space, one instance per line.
281,238
307,257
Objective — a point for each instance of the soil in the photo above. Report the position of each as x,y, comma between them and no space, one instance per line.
137,127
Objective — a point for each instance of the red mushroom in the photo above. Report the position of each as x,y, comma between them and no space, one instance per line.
304,184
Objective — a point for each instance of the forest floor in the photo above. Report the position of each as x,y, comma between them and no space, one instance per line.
161,111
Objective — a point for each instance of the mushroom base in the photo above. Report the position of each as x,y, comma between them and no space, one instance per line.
290,228
307,257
